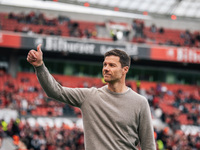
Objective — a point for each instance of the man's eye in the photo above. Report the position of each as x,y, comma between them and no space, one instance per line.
112,65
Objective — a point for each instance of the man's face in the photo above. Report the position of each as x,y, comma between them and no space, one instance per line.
112,70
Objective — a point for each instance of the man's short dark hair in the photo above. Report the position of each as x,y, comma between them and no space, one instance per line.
124,59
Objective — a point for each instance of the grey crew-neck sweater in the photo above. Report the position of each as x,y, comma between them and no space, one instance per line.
112,121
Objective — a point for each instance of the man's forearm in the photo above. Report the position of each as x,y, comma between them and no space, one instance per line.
51,87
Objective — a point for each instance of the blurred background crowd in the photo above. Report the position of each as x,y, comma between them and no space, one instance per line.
174,100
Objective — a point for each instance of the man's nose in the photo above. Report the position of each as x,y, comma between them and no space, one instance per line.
106,68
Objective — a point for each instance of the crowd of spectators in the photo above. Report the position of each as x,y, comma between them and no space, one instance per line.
177,140
14,96
43,138
18,97
188,105
64,138
139,32
181,102
26,97
39,138
172,137
36,18
144,34
49,26
191,39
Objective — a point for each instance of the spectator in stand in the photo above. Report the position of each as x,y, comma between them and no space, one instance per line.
113,34
183,108
40,19
1,139
197,37
192,40
63,19
169,42
21,18
24,106
158,89
117,102
35,142
153,28
127,34
11,15
41,31
161,30
155,101
87,33
30,17
141,29
138,27
13,127
134,27
187,37
74,30
138,84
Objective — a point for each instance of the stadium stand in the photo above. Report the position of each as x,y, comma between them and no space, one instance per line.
169,97
63,26
175,101
175,105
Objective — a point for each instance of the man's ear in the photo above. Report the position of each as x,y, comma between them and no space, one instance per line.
125,69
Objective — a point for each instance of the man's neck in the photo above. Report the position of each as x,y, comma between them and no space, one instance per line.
117,88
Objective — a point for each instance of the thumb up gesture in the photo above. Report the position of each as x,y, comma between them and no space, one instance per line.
34,57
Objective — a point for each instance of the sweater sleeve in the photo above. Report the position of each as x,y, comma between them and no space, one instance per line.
72,96
146,135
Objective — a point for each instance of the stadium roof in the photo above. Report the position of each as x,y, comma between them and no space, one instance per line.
125,8
181,8
65,7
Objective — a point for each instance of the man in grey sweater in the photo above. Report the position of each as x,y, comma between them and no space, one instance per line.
114,116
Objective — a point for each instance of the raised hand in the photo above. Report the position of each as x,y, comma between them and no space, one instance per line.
35,57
